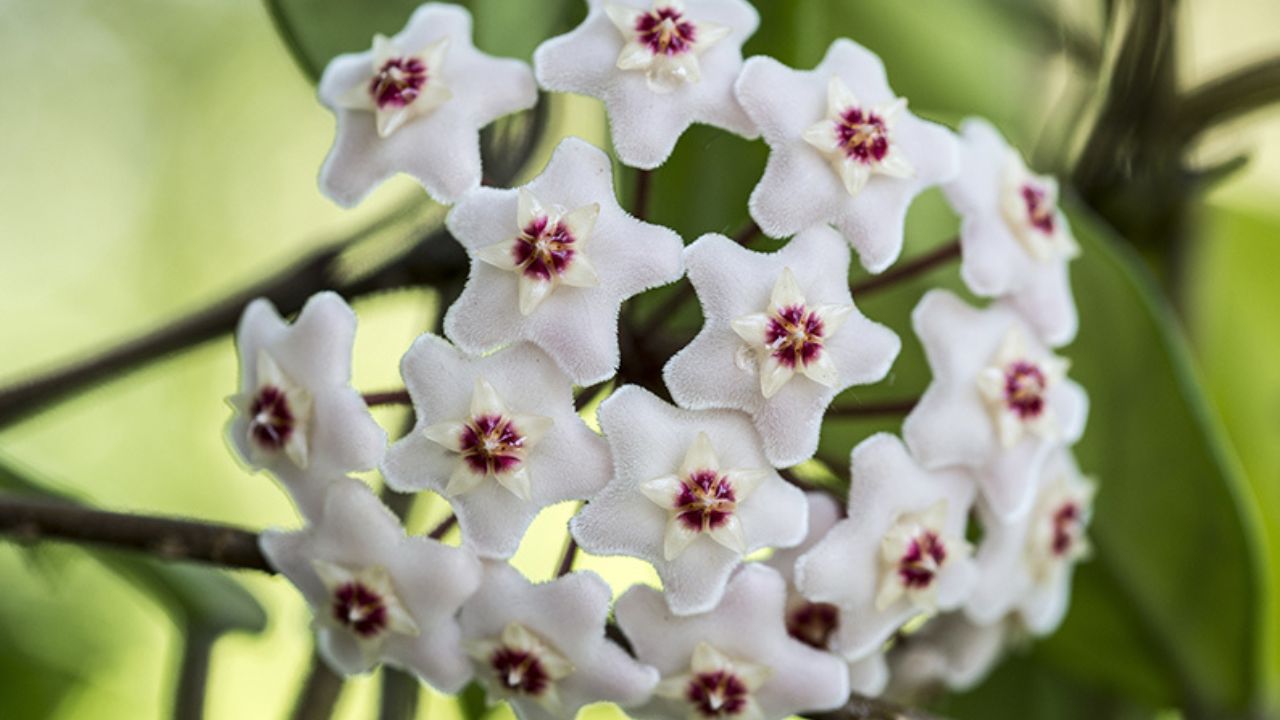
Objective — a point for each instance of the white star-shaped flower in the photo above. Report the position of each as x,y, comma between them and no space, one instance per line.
528,280
670,488
1016,242
415,104
377,595
658,68
900,552
781,338
735,661
543,647
949,651
998,403
843,150
296,414
1026,565
815,623
498,436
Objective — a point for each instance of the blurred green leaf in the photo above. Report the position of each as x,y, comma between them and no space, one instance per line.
472,702
31,686
316,31
1232,304
195,596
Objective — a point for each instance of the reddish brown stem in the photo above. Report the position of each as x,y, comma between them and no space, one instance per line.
391,397
748,233
916,266
640,207
567,559
874,409
444,527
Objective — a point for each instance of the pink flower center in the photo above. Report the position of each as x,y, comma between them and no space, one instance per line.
519,671
398,82
813,623
1066,527
271,422
359,609
794,335
717,694
925,555
491,444
1024,389
665,31
1040,212
705,500
543,249
862,135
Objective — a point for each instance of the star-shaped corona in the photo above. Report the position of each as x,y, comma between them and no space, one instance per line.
548,250
1016,387
519,663
402,86
493,443
717,686
858,139
790,336
664,42
913,553
702,499
364,603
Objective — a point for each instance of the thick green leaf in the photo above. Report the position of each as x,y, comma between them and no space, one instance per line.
316,31
196,596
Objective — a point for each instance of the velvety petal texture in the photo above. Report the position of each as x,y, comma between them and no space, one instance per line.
1000,203
1005,437
849,569
568,461
721,369
567,616
802,186
574,320
407,618
745,629
1025,566
950,651
463,89
296,415
646,118
651,442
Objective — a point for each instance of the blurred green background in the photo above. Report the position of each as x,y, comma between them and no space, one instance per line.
157,155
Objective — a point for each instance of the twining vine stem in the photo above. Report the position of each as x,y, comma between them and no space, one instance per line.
924,263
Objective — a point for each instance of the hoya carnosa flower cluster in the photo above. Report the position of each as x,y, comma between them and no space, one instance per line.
698,486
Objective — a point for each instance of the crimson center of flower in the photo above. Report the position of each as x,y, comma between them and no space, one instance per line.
271,421
863,135
519,671
717,694
813,623
491,444
360,609
1040,212
705,500
665,31
794,335
1024,389
398,82
1067,520
544,249
925,555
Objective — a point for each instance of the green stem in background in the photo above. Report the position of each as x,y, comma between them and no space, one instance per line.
1228,96
943,254
168,538
319,693
873,409
400,695
193,673
640,203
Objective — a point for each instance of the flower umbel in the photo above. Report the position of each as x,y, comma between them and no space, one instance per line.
493,442
664,42
858,139
702,499
548,250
